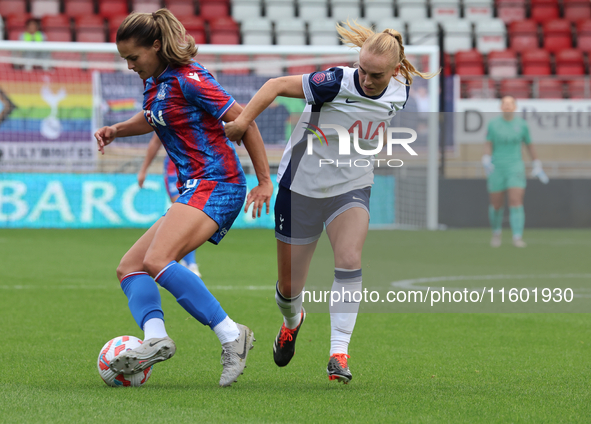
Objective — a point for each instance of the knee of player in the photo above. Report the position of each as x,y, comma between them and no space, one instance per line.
348,259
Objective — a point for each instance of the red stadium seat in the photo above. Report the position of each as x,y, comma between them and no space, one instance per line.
213,9
523,35
55,21
109,8
57,34
12,7
90,22
76,8
469,62
511,10
579,88
576,10
584,35
544,10
482,88
180,8
192,22
557,35
518,88
502,63
536,62
17,21
231,58
570,62
113,24
550,89
224,31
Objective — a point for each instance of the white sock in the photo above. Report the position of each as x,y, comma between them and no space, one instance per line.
291,309
154,329
343,312
227,330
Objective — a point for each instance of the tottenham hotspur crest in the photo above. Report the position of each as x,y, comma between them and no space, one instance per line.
162,92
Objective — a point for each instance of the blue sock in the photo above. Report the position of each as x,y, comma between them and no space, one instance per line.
191,294
143,297
190,258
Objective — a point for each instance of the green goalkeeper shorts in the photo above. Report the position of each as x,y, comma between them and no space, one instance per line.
503,178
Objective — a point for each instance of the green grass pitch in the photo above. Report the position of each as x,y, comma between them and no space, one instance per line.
60,302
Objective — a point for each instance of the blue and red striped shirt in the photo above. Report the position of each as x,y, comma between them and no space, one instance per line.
184,105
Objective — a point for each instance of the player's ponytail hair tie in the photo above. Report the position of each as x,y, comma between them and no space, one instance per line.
154,15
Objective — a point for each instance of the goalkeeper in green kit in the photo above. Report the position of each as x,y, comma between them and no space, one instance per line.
505,170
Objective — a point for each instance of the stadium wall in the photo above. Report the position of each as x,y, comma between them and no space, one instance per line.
562,203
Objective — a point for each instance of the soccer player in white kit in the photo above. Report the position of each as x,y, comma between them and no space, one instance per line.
313,194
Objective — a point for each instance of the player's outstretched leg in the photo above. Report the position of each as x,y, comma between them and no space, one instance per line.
293,318
234,355
145,306
338,368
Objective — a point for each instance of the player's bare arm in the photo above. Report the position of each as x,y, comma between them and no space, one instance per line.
153,147
136,125
253,142
290,86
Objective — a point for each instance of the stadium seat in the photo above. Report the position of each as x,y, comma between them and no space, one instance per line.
584,35
195,26
109,8
309,10
557,35
207,60
576,10
12,7
213,9
392,23
16,22
246,9
49,22
478,10
502,64
323,33
41,8
469,62
412,10
113,24
544,10
490,35
457,35
443,10
145,6
424,33
570,62
481,88
279,9
548,88
330,62
511,10
518,88
235,58
303,68
258,31
56,34
75,8
377,10
267,65
535,62
291,32
180,7
90,29
523,35
345,9
578,88
224,31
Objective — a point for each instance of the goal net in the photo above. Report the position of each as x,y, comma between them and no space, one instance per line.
53,96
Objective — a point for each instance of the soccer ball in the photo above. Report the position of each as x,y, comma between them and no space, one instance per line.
110,350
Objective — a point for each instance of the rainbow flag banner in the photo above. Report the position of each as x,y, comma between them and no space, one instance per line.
46,119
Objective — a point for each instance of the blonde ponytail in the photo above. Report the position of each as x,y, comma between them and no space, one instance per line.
387,42
178,47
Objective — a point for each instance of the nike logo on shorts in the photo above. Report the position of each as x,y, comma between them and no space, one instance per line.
357,198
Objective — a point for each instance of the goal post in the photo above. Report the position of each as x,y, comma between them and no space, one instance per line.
241,69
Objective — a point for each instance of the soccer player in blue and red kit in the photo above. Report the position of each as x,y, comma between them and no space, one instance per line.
171,185
184,105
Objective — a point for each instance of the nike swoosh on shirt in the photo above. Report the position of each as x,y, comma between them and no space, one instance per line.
351,101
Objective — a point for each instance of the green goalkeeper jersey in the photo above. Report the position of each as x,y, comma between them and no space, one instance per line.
506,138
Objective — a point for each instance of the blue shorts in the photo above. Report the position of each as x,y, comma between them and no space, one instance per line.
300,219
222,202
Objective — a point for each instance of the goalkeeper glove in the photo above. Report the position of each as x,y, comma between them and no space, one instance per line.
487,164
538,172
